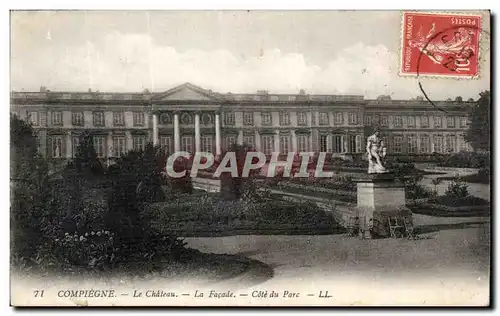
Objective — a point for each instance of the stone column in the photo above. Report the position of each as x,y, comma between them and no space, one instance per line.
239,141
69,146
197,137
257,141
217,135
155,128
109,142
277,142
177,133
294,141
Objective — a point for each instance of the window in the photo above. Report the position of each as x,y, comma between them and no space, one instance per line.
284,144
268,144
57,118
337,143
57,147
33,118
166,143
206,143
323,118
77,118
425,145
100,149
397,144
266,118
398,121
450,122
249,140
351,143
358,143
323,143
339,118
450,143
98,118
138,119
301,118
464,146
229,141
165,118
438,144
248,118
384,120
229,118
411,121
437,121
206,119
302,143
186,119
75,142
368,120
284,118
463,121
138,142
424,121
353,118
119,147
412,144
375,119
118,118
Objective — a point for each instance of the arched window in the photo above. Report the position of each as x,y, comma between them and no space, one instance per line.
206,119
186,118
166,118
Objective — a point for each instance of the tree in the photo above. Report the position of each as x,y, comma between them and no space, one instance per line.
30,200
233,188
479,131
86,160
459,99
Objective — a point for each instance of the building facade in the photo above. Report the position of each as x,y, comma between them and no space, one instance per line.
191,119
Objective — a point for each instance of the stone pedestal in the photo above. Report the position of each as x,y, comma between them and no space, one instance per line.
380,196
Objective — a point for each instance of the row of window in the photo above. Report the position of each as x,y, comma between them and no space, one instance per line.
427,144
58,150
335,144
410,121
77,118
284,118
248,119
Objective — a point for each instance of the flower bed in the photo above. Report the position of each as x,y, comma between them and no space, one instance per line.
448,206
207,216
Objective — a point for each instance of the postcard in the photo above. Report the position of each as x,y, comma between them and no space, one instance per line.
250,158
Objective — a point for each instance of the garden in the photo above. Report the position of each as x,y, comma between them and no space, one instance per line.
129,217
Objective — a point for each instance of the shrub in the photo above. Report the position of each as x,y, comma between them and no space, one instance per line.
91,249
457,189
467,160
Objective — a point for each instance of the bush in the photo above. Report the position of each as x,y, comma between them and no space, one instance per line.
91,250
457,189
467,160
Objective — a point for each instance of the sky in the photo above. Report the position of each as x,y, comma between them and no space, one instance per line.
322,52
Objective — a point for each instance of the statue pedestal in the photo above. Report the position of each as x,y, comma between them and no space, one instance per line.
380,196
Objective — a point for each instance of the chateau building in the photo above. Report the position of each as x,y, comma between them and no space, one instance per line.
191,119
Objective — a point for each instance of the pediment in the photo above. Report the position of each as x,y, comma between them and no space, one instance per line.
186,92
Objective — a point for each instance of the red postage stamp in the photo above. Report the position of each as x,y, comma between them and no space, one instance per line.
440,44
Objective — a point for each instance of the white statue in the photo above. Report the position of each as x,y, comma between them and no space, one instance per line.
376,152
